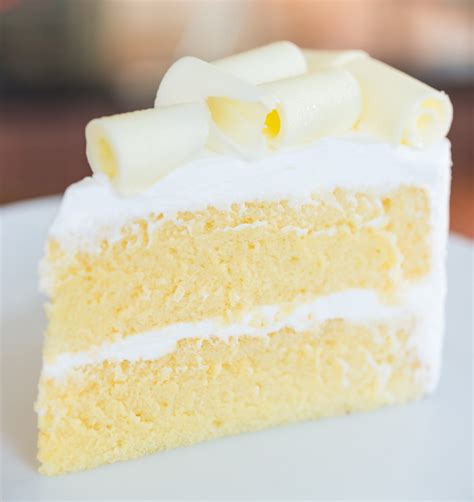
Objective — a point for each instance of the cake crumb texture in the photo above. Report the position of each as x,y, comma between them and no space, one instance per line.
211,388
209,263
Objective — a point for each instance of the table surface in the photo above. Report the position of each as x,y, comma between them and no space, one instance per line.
416,451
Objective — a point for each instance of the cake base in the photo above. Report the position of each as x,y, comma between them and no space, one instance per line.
209,388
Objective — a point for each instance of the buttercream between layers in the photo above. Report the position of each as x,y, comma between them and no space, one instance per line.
356,305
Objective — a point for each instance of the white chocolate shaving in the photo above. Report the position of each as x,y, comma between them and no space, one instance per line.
191,79
320,60
237,126
313,105
135,149
237,108
399,108
276,95
265,64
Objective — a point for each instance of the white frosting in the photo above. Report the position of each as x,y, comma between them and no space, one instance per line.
356,305
430,339
92,210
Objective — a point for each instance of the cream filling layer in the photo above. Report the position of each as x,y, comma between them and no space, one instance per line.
356,305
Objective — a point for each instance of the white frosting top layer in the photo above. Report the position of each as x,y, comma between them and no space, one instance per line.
356,305
93,210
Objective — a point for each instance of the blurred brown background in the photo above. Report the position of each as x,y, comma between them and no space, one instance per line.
63,62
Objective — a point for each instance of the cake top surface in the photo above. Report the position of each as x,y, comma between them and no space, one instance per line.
276,122
259,103
93,209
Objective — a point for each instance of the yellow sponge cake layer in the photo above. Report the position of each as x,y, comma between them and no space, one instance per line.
264,245
237,294
208,263
209,388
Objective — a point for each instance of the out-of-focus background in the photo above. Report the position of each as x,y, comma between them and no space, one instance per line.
63,62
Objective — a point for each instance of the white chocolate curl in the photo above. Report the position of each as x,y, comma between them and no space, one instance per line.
136,149
191,79
238,109
320,60
237,126
272,96
265,64
399,108
311,106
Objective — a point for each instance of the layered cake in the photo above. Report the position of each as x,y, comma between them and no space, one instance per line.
264,245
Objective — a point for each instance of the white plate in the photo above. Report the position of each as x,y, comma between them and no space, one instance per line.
422,450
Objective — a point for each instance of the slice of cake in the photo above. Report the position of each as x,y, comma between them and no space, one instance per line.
265,245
